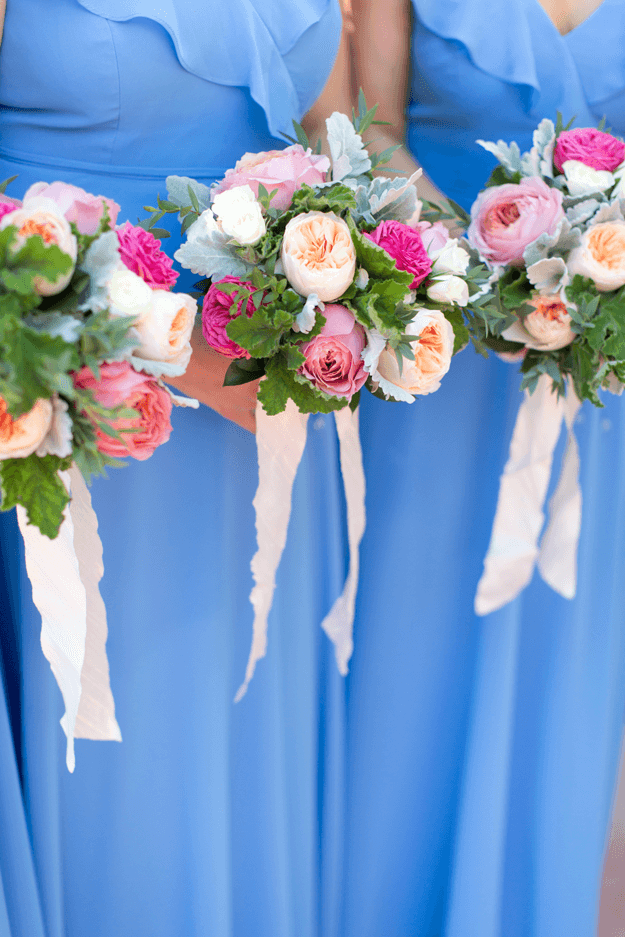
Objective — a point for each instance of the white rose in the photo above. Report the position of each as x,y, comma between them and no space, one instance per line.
432,354
165,329
583,180
21,437
128,294
42,216
601,255
240,214
451,258
318,255
449,290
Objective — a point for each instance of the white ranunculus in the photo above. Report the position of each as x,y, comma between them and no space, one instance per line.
128,294
449,290
451,258
240,214
42,216
583,180
164,330
601,255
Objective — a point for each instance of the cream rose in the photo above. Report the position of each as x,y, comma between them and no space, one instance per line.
128,294
601,255
449,290
432,354
42,216
584,180
546,328
240,215
318,255
21,437
165,329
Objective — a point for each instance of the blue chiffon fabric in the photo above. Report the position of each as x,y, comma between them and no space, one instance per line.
210,818
483,753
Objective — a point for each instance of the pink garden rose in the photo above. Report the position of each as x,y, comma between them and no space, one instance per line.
141,253
7,205
218,309
84,209
405,246
333,363
591,147
506,218
434,236
119,385
285,170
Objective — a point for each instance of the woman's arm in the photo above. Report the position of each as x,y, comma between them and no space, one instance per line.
3,9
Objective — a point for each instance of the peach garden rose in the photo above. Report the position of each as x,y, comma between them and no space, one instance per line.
318,255
432,355
42,216
23,436
601,256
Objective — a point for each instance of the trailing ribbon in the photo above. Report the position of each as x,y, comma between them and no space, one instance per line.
280,442
513,551
64,574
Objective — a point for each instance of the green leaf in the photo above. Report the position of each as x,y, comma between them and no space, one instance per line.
300,133
161,233
244,370
454,315
514,288
33,259
3,185
260,334
34,483
377,262
280,384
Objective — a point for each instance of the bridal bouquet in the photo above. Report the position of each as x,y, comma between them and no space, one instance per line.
550,227
88,328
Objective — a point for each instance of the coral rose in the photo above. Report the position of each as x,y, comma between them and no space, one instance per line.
405,246
120,385
141,252
601,255
218,308
23,436
333,358
318,255
83,208
285,170
591,147
546,328
505,219
43,217
165,329
432,354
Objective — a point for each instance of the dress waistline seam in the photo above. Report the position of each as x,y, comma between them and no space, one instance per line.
129,172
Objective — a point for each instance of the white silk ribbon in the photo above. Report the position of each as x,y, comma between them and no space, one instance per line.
513,551
64,574
339,622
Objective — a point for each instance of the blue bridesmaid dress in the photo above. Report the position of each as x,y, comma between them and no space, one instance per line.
483,753
210,819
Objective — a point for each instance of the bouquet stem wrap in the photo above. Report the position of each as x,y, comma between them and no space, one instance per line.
514,550
280,441
64,574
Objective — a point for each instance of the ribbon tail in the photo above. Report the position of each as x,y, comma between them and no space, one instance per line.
280,441
557,561
513,549
339,622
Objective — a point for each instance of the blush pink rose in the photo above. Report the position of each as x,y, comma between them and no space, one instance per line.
591,147
333,363
218,309
84,209
285,170
121,385
141,252
7,205
434,236
405,246
506,218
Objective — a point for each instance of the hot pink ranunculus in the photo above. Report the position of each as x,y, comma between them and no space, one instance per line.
119,385
81,207
506,218
141,252
285,170
406,247
333,363
218,309
434,236
7,205
591,147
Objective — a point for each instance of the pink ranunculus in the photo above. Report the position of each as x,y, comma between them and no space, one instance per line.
7,205
121,385
141,252
434,236
333,358
506,218
218,309
81,207
591,147
285,170
405,246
